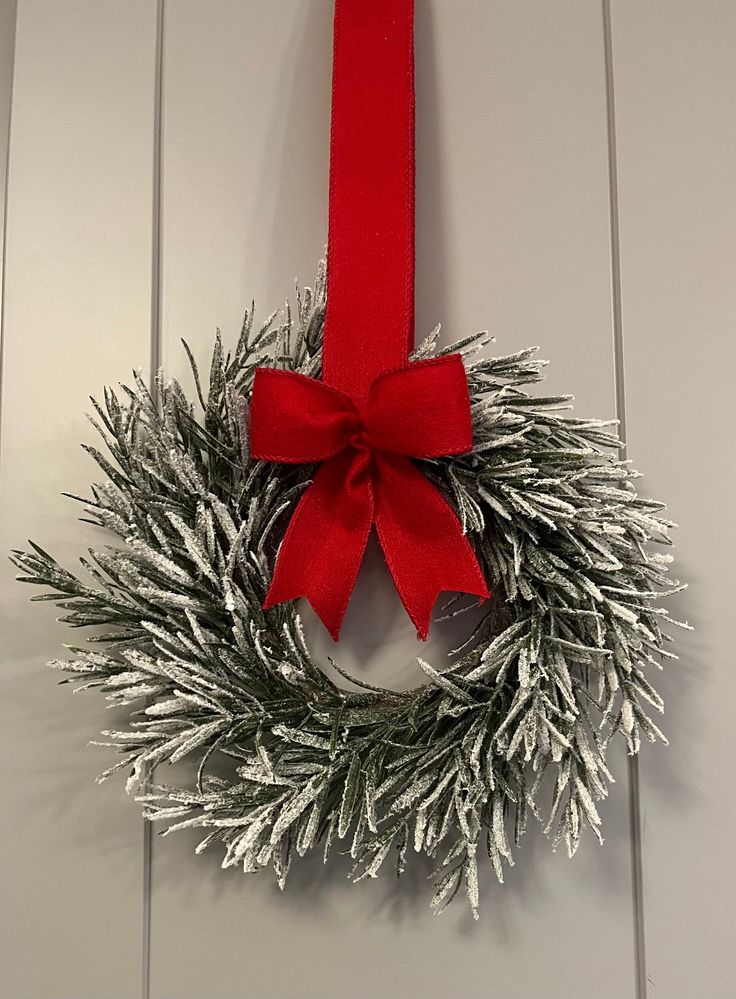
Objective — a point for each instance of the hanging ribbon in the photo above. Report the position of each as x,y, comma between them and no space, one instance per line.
373,411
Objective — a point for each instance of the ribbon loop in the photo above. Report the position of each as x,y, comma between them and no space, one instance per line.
374,411
369,325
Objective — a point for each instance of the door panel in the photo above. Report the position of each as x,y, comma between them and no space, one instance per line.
675,83
76,316
512,233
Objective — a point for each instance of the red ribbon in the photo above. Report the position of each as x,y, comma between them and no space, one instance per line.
373,411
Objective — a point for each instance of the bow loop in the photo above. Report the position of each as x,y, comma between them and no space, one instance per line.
298,420
422,410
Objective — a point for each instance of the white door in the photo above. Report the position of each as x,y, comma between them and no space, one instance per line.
575,189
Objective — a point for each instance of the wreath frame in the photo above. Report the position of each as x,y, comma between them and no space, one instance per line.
548,677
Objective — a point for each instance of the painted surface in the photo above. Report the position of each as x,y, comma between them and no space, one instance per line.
167,164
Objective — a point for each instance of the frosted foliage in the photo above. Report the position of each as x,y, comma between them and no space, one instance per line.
559,664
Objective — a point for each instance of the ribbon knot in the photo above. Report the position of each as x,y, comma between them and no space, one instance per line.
366,477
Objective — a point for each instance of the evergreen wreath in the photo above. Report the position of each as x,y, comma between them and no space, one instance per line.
557,666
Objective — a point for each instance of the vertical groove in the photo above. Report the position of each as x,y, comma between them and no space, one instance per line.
155,358
4,206
154,364
620,395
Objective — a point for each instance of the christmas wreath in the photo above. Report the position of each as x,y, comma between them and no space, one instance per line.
556,667
315,429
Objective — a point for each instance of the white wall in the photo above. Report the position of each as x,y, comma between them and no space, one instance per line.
575,189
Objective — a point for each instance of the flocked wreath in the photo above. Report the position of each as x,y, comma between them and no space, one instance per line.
557,666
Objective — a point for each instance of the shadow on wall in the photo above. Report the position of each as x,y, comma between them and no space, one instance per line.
297,161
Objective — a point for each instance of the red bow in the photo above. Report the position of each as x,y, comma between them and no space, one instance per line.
367,477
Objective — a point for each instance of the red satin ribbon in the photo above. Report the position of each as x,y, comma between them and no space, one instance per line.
373,411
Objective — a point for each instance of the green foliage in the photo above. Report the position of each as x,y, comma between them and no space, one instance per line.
557,666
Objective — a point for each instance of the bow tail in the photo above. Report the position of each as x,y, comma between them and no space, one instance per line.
324,544
422,540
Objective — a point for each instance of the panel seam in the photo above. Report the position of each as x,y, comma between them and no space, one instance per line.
619,377
154,365
155,357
